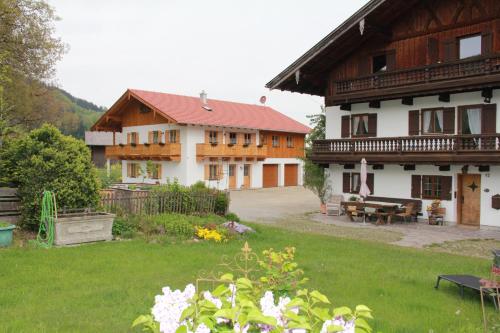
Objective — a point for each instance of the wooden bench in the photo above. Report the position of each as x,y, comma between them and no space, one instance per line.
417,210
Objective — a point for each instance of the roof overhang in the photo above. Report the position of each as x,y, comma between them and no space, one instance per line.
313,67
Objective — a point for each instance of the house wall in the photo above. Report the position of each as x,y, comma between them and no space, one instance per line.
392,117
188,170
393,181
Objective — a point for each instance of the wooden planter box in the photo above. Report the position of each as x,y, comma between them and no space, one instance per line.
83,228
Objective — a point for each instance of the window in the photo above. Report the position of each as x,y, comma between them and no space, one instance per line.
246,170
431,187
470,46
133,170
232,170
471,120
212,137
360,125
213,172
432,121
263,139
351,182
155,171
172,136
289,141
276,141
134,138
156,137
248,138
379,63
233,139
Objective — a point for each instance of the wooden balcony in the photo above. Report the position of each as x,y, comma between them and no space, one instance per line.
441,150
160,152
227,151
447,77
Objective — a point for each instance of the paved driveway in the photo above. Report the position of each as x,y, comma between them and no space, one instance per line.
272,203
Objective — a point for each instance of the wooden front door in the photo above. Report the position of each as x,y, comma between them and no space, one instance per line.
291,174
270,175
232,176
246,176
469,199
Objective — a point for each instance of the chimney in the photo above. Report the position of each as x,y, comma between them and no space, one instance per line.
203,98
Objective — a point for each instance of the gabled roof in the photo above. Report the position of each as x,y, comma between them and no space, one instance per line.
190,110
314,65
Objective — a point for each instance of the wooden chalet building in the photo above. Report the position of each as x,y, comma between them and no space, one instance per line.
412,86
228,145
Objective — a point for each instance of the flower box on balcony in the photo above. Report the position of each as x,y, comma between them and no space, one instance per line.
133,144
161,143
121,145
146,144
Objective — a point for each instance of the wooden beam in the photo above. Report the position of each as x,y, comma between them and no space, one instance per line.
407,101
345,107
444,97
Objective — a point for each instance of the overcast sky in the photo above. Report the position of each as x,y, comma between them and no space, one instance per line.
229,48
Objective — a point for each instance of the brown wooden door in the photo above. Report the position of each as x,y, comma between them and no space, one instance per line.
270,175
470,199
232,176
291,174
246,175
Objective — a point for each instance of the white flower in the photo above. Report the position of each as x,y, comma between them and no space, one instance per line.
202,328
348,326
168,307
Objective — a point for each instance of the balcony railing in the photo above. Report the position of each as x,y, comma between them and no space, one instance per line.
459,148
169,152
421,75
225,150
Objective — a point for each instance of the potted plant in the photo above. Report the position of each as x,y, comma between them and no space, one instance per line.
6,233
316,179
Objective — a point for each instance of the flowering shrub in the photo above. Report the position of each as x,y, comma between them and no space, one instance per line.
210,234
242,306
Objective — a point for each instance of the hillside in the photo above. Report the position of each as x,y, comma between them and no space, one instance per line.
77,114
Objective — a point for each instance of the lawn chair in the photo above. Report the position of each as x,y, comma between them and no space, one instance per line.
491,287
407,212
436,216
334,207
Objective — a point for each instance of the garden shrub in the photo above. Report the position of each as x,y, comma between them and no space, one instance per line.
221,203
125,227
232,217
115,175
45,159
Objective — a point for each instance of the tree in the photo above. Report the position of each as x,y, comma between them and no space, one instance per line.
45,159
318,124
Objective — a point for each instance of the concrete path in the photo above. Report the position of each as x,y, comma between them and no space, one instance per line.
272,203
418,234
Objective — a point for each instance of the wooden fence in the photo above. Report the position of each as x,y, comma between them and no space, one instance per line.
152,203
9,205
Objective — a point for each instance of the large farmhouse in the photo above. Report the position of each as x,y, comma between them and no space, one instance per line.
413,87
161,137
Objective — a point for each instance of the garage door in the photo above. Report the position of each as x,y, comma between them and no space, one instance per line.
291,174
270,175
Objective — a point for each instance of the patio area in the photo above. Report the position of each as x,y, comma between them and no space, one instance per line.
417,234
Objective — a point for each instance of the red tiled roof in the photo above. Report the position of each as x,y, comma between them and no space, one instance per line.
189,110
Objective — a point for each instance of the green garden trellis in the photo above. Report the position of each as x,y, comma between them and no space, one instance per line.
45,237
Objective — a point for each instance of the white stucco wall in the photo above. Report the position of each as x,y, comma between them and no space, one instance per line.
392,117
393,181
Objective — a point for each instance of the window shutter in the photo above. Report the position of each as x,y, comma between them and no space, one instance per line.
207,136
159,171
449,121
177,136
207,172
391,60
167,136
486,43
416,186
128,138
365,65
129,170
450,50
372,124
346,182
346,124
432,50
219,172
370,181
445,187
489,119
150,137
414,122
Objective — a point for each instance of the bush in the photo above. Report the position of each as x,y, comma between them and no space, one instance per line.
115,175
125,227
221,203
45,159
232,217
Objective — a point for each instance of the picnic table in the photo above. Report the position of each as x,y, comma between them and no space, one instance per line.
383,209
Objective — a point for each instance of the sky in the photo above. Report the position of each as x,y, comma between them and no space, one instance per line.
229,48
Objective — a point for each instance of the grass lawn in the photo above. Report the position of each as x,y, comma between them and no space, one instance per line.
103,287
